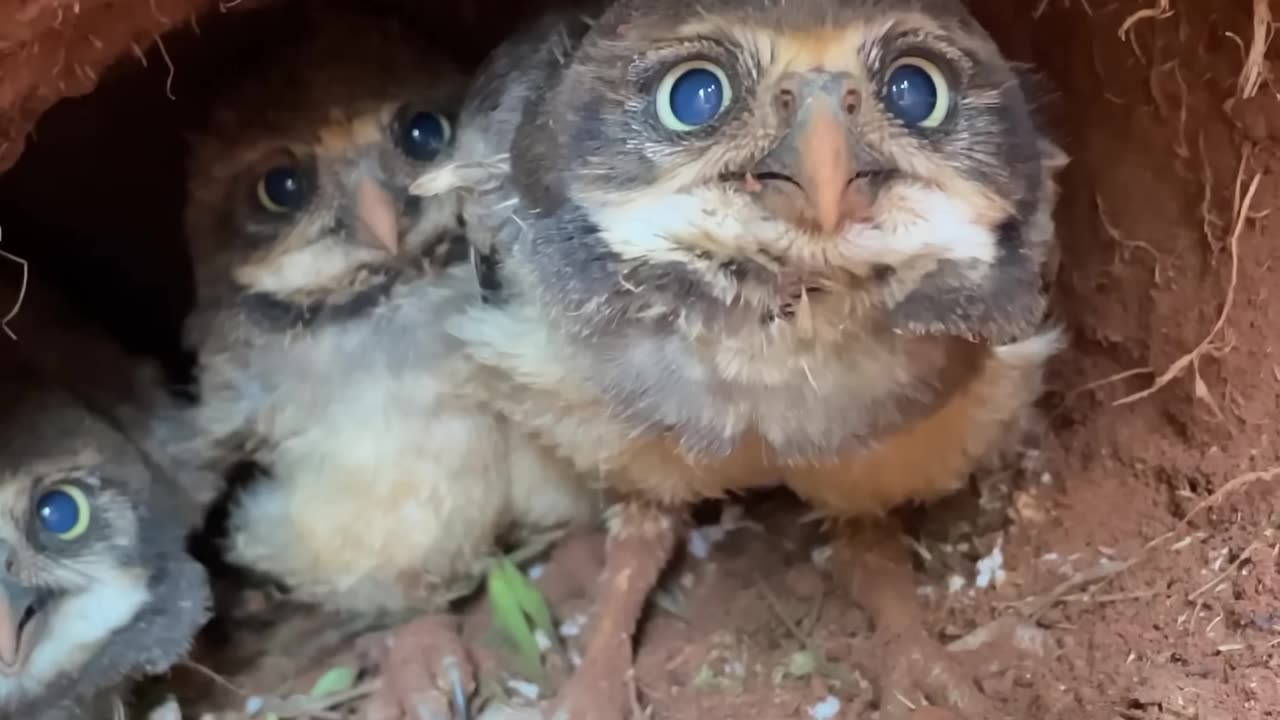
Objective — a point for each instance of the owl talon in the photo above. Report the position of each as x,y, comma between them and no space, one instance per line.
915,674
426,672
453,671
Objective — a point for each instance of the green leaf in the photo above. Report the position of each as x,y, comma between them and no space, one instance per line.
531,600
335,680
802,663
509,618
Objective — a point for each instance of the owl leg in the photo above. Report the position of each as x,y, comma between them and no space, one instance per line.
642,538
914,671
426,674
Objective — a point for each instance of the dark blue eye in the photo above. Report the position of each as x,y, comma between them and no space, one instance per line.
423,134
63,511
692,95
282,189
917,93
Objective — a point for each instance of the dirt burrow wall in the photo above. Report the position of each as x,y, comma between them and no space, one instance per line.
1171,117
51,49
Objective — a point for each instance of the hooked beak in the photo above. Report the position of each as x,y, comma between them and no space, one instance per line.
21,624
814,158
377,218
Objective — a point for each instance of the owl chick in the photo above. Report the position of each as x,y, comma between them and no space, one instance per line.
322,289
96,585
728,242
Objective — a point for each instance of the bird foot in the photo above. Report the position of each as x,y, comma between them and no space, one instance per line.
641,540
918,679
426,674
914,674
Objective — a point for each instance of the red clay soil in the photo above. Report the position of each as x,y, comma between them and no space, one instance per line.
1137,570
51,49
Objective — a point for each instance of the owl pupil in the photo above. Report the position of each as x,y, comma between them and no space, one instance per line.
58,512
912,95
696,97
423,136
283,187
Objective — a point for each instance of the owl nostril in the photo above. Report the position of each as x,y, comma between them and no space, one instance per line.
785,102
852,99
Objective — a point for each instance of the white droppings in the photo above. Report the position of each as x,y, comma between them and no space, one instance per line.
575,657
704,538
990,569
821,557
699,544
544,642
572,626
253,705
535,571
825,709
526,690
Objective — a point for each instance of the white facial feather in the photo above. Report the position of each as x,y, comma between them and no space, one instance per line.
78,625
914,225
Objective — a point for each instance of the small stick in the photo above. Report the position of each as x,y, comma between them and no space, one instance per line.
1225,573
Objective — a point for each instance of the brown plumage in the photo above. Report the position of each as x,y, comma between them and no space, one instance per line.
725,243
96,586
322,291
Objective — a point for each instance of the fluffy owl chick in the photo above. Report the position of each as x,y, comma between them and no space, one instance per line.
322,288
726,242
96,585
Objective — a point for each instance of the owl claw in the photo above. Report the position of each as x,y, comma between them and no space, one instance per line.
916,676
426,672
453,670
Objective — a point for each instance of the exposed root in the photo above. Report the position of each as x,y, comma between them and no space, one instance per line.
22,294
1122,244
1254,71
1159,12
164,53
1192,358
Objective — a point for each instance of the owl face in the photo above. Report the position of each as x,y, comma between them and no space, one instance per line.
90,549
300,188
764,149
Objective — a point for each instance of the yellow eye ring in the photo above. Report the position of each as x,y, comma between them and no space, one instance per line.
282,189
917,92
63,511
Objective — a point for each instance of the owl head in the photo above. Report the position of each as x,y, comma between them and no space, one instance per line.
297,192
95,581
740,154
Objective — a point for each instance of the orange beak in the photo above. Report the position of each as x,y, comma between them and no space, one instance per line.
809,178
822,163
378,217
20,625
